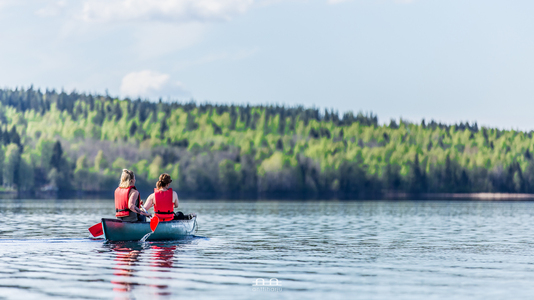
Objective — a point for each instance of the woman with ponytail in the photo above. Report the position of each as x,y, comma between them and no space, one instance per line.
165,200
128,200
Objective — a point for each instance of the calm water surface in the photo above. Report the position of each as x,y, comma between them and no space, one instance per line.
315,249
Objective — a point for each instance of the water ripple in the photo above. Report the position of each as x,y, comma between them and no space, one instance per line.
338,250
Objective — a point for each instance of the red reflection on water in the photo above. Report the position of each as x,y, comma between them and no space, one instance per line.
162,259
127,259
163,256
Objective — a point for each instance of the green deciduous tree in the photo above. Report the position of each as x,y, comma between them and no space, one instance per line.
12,166
101,162
229,173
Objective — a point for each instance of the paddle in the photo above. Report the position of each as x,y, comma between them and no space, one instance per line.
154,223
96,230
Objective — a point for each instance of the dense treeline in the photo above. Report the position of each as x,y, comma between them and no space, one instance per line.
78,142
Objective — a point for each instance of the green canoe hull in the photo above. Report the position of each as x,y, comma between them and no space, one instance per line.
118,230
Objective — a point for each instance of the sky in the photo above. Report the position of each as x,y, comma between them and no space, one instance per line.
447,60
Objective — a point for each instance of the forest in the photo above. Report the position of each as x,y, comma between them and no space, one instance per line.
75,142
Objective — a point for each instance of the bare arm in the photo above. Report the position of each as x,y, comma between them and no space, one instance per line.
149,202
175,199
131,203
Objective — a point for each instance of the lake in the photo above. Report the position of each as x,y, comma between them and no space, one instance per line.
312,249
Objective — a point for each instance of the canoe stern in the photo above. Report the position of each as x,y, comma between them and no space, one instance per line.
118,230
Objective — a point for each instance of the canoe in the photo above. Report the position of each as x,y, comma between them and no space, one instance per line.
118,230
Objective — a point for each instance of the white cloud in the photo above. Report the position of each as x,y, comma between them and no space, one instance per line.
6,2
163,10
53,9
151,84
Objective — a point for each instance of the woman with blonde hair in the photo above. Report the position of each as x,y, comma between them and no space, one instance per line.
128,200
164,200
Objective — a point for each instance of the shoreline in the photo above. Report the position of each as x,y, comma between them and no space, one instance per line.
279,196
462,196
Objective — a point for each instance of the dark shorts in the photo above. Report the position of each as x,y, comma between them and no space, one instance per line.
133,217
180,216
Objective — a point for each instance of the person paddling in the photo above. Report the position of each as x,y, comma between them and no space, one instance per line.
128,200
164,200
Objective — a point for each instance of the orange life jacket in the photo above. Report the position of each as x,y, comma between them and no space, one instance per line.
163,206
122,196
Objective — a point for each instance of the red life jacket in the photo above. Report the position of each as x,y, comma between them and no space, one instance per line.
122,195
163,206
